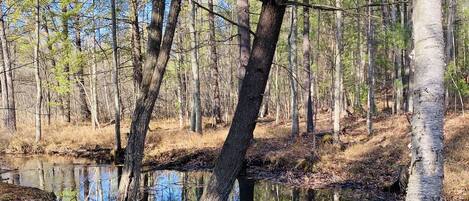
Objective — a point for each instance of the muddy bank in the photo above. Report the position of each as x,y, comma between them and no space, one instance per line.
10,192
96,153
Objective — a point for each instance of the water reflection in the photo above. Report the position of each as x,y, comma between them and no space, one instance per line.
78,179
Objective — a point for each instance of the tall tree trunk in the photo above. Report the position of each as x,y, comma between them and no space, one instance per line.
408,58
264,111
8,91
450,48
371,78
52,66
337,73
293,68
181,78
136,47
277,96
307,66
229,163
155,65
66,71
38,76
196,115
397,60
242,7
115,79
3,82
426,169
316,86
85,112
358,64
94,78
216,110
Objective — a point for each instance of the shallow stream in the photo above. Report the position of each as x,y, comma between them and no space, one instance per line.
81,179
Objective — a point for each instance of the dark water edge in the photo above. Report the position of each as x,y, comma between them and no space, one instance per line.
82,179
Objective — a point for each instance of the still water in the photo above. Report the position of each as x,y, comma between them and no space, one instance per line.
80,179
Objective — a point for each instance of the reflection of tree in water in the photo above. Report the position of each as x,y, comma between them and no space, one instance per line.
86,182
71,181
40,167
295,194
246,189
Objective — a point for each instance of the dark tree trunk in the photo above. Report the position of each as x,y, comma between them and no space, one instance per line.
115,80
136,47
85,112
216,110
244,39
52,66
156,61
230,161
306,66
246,189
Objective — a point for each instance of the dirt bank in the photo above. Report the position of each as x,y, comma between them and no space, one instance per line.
10,192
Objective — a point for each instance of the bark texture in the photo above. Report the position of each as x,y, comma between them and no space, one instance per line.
306,65
371,63
426,169
136,47
37,75
293,74
8,93
156,60
242,7
196,115
115,80
337,73
216,110
84,112
94,80
229,163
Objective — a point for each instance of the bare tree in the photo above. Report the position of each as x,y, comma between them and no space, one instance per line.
216,110
371,77
293,68
229,163
307,66
115,78
8,93
196,115
38,76
182,82
338,73
155,67
242,7
136,47
84,111
94,78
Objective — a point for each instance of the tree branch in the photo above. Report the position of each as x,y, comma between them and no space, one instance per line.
223,17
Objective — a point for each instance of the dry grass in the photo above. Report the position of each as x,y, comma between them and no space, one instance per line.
456,183
60,138
370,160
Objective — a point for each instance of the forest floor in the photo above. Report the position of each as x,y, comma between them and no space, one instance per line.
370,162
